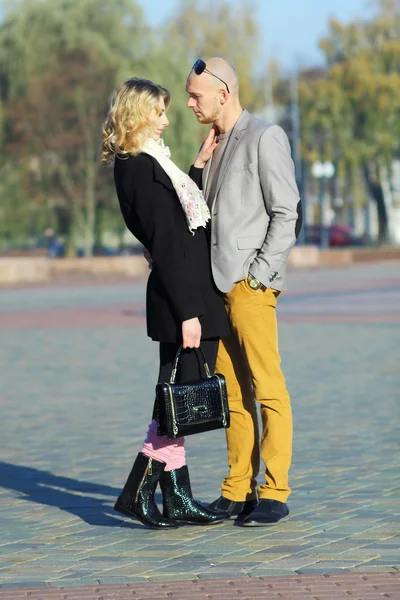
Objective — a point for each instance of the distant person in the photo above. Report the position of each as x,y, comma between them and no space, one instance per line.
166,212
52,245
251,191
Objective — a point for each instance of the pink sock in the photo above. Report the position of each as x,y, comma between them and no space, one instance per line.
171,452
177,458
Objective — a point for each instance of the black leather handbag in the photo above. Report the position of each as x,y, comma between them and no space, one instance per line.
193,407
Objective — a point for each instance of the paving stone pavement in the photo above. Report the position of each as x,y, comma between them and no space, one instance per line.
352,586
77,382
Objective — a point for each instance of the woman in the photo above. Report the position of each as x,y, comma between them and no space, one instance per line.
166,212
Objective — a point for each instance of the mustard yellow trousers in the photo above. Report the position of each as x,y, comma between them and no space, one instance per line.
250,361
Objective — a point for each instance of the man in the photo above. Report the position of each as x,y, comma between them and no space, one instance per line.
250,187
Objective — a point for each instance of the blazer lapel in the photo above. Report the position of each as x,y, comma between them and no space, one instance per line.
205,174
233,142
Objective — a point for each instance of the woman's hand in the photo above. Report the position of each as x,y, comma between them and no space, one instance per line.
207,149
191,333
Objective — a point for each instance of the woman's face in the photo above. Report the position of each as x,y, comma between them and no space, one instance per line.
159,121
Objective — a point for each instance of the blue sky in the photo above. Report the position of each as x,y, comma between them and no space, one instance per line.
290,28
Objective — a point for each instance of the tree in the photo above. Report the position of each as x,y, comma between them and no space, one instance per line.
350,113
231,33
62,60
59,62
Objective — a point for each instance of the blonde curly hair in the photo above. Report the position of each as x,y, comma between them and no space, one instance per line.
128,118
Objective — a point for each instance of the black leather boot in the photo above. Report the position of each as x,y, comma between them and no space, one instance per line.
137,498
179,503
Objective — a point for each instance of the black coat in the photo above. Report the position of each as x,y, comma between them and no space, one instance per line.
180,285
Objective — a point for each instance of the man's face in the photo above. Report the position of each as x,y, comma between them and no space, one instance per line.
203,98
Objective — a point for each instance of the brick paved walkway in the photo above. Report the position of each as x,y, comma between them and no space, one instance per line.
76,386
305,587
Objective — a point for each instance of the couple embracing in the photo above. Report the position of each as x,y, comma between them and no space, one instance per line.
219,239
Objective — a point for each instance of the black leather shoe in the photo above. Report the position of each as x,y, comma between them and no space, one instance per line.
267,512
137,498
179,504
232,509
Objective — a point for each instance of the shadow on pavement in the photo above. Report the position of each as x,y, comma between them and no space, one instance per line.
65,493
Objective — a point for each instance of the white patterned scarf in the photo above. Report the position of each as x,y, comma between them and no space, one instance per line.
190,196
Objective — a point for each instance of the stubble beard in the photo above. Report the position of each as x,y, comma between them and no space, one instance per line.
211,119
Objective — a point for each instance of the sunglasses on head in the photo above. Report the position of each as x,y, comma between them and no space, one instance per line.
200,67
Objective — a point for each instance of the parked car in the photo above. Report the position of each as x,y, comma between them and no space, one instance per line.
339,236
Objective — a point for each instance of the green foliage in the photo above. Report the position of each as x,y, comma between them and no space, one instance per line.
363,84
232,32
59,62
351,110
20,219
61,59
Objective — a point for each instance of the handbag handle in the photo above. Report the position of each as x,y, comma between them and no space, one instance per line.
177,357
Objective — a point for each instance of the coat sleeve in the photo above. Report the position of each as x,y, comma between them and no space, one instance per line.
165,230
282,203
196,174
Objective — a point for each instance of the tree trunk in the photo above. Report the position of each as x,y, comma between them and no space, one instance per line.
71,236
90,221
90,161
376,191
88,237
99,227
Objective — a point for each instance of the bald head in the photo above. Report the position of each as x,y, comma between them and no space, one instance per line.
225,71
222,70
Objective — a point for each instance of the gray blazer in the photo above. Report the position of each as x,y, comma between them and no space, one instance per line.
254,208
